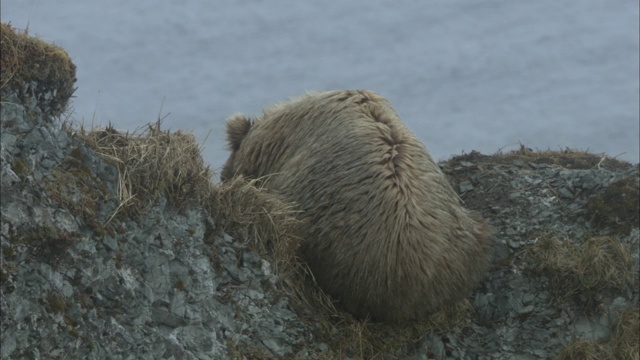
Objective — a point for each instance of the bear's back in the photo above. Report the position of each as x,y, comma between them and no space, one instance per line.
382,223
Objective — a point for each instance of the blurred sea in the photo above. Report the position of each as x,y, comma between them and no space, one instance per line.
464,75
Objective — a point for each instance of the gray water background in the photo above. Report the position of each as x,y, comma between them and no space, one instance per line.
464,74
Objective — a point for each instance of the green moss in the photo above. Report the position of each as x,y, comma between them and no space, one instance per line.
77,154
7,266
84,300
75,190
8,252
9,123
117,261
70,321
56,303
72,326
96,227
4,275
72,331
75,164
617,207
88,343
7,270
20,167
49,243
76,168
179,285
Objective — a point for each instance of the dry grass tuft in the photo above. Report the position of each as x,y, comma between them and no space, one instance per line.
584,350
623,345
153,163
566,158
584,271
34,68
625,341
366,340
618,206
247,211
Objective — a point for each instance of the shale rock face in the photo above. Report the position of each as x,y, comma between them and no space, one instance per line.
83,276
160,286
547,287
80,283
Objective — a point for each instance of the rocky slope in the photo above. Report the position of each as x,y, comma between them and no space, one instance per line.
88,271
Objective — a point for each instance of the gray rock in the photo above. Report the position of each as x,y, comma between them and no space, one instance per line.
565,193
465,186
157,288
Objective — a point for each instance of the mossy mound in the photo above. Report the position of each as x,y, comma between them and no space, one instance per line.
582,271
567,159
622,345
618,206
35,70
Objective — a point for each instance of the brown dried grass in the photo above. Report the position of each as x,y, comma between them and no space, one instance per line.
153,163
583,270
28,61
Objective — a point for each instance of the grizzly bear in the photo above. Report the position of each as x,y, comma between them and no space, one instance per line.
385,234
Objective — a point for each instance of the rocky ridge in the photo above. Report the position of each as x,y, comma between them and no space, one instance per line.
81,278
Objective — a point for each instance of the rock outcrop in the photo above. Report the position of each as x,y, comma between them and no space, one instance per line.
98,263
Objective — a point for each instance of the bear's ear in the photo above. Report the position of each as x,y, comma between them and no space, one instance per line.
237,128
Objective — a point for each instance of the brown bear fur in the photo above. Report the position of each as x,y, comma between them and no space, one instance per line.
385,234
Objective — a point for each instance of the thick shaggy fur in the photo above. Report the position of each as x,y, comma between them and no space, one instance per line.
385,234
